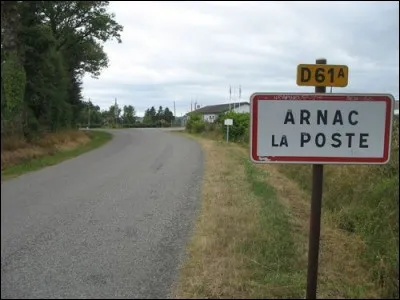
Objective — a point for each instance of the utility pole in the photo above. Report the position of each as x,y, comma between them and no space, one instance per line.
174,114
230,97
240,94
234,97
115,112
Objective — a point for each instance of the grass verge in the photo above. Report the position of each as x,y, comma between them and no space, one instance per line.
243,245
22,157
251,238
362,202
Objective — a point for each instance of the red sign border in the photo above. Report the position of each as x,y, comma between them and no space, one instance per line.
257,97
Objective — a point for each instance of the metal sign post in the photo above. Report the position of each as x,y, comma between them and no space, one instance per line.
228,122
315,217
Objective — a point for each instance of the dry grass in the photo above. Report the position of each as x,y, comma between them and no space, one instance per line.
361,225
226,256
17,150
242,246
341,271
215,269
359,246
50,150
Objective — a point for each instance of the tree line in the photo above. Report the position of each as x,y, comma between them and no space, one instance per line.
114,116
46,49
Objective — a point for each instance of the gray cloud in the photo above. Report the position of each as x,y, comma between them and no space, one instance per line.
175,51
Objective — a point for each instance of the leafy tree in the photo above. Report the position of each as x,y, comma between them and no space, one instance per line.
160,118
150,116
114,114
128,116
47,47
13,75
168,116
91,114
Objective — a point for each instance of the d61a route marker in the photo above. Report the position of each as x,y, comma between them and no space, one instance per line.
321,128
322,75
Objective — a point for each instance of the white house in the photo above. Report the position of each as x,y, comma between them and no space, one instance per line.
210,113
396,107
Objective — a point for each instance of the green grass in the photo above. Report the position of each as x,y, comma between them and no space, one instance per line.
98,138
276,249
363,201
360,204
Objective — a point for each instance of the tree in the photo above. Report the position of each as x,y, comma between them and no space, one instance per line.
128,116
13,75
114,114
168,116
46,49
80,27
146,118
91,114
163,117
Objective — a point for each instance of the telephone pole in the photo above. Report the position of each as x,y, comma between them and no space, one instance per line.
234,97
230,97
240,94
115,112
174,114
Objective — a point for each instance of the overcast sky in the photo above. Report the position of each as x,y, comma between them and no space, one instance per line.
178,51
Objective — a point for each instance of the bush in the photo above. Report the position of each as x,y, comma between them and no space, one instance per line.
239,131
195,123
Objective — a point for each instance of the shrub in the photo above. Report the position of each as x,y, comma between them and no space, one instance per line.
239,131
195,123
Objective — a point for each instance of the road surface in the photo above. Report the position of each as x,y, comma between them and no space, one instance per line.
111,223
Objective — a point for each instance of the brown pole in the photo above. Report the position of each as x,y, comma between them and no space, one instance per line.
315,217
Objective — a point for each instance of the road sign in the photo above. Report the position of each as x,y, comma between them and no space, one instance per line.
228,122
322,75
313,128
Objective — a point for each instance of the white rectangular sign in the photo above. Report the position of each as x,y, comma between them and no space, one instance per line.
228,122
310,128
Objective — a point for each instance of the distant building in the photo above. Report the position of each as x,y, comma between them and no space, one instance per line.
210,113
396,107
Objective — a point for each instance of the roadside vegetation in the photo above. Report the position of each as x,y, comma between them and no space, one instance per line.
92,116
19,156
251,238
46,49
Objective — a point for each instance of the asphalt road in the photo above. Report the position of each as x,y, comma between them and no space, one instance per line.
111,223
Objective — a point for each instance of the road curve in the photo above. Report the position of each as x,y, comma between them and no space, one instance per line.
111,223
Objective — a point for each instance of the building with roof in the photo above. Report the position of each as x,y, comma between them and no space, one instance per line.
211,112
